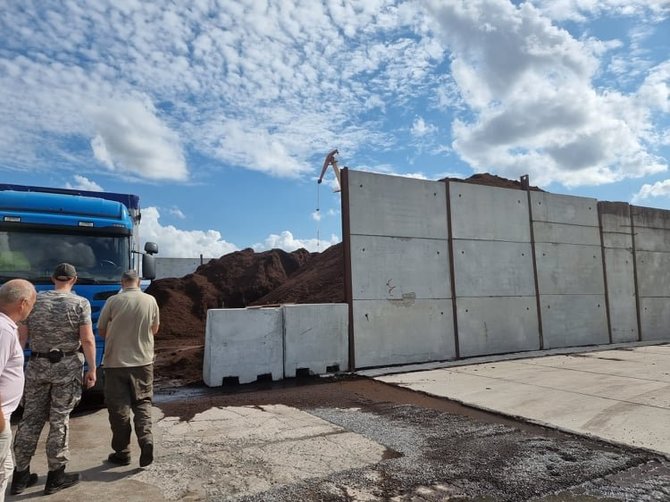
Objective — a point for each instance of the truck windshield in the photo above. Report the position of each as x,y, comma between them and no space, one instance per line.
99,259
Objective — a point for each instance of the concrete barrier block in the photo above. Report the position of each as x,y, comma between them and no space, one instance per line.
652,270
488,213
621,294
655,318
649,217
397,207
493,268
403,331
569,269
243,344
563,233
569,209
390,267
316,338
497,325
573,320
652,239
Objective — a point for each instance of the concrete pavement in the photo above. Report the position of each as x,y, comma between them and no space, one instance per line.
621,395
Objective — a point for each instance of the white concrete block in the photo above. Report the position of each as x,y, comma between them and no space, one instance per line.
316,337
243,343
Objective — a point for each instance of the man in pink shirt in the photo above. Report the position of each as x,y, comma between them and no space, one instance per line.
17,298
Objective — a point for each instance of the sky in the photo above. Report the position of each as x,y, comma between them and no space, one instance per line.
219,113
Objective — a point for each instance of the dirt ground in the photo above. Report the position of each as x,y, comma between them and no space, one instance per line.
435,449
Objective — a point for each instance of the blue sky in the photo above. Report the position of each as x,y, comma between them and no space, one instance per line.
219,114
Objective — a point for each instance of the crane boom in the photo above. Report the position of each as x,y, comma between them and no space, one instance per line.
330,160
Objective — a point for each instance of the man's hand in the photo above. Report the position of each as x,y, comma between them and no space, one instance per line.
90,378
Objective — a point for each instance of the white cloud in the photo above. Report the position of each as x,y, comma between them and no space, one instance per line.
175,243
535,109
132,139
177,213
421,128
416,176
83,183
316,215
658,189
580,10
287,242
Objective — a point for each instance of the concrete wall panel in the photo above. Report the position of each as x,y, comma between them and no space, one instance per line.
177,267
648,217
315,338
573,320
621,294
493,268
497,325
652,239
489,213
568,209
655,318
396,206
652,273
403,331
562,233
569,269
390,267
243,343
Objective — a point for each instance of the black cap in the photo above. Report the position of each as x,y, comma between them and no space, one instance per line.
130,275
64,271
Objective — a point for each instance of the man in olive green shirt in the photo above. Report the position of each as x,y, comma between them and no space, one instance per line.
128,322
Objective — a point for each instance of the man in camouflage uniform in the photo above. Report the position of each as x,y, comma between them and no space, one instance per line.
58,326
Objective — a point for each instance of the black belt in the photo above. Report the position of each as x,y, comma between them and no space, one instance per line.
54,355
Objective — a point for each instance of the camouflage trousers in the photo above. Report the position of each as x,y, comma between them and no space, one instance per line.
51,392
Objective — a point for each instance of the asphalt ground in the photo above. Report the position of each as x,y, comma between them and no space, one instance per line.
349,439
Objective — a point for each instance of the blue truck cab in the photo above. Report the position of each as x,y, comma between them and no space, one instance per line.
97,232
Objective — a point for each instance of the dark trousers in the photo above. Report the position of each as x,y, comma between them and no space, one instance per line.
129,389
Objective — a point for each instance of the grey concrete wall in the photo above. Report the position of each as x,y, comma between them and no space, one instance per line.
596,271
493,270
651,229
617,239
177,267
400,279
570,274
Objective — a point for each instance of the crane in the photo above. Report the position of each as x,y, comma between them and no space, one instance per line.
331,161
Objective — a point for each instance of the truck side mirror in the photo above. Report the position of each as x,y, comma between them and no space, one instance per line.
148,266
151,247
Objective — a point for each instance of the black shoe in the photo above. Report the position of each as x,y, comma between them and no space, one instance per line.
147,456
22,480
118,458
59,480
